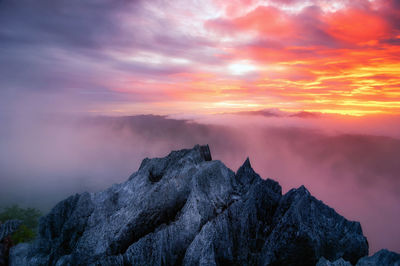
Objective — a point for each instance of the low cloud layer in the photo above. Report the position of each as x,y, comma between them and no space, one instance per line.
44,160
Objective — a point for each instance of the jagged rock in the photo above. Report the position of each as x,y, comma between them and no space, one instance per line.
305,226
236,236
186,209
19,254
383,257
205,153
340,262
8,228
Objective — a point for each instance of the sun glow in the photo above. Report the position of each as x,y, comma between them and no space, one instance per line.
241,68
224,55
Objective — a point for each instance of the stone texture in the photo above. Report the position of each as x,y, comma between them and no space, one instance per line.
383,257
8,228
304,226
340,262
187,209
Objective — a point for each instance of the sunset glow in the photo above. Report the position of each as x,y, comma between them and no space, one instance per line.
307,90
339,57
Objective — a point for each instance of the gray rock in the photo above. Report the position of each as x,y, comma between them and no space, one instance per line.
8,228
340,262
187,209
206,153
304,229
19,254
236,236
383,257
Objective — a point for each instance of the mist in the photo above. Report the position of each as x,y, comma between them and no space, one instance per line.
46,158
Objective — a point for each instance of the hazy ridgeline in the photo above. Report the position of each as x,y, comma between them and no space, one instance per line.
43,161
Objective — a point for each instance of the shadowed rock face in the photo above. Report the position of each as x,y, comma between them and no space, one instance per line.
340,262
383,257
8,228
186,209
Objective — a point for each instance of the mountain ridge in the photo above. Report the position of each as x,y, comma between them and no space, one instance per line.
186,209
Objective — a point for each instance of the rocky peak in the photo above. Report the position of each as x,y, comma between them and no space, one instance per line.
186,209
245,175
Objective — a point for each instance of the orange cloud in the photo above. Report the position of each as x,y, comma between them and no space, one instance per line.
267,21
329,56
357,26
343,60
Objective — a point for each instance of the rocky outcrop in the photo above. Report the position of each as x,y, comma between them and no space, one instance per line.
383,257
340,262
6,229
304,225
187,209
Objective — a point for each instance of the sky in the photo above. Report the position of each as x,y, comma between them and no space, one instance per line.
200,57
309,90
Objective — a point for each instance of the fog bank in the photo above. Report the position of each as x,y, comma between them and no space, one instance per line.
45,159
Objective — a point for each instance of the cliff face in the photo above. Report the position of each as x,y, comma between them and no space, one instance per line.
186,209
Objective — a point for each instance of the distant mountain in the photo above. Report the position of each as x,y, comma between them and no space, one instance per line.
186,209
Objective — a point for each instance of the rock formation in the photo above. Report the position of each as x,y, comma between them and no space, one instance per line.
187,209
340,262
6,230
383,257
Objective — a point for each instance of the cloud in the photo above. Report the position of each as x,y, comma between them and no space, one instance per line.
62,59
45,159
268,21
313,56
70,47
346,27
278,113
